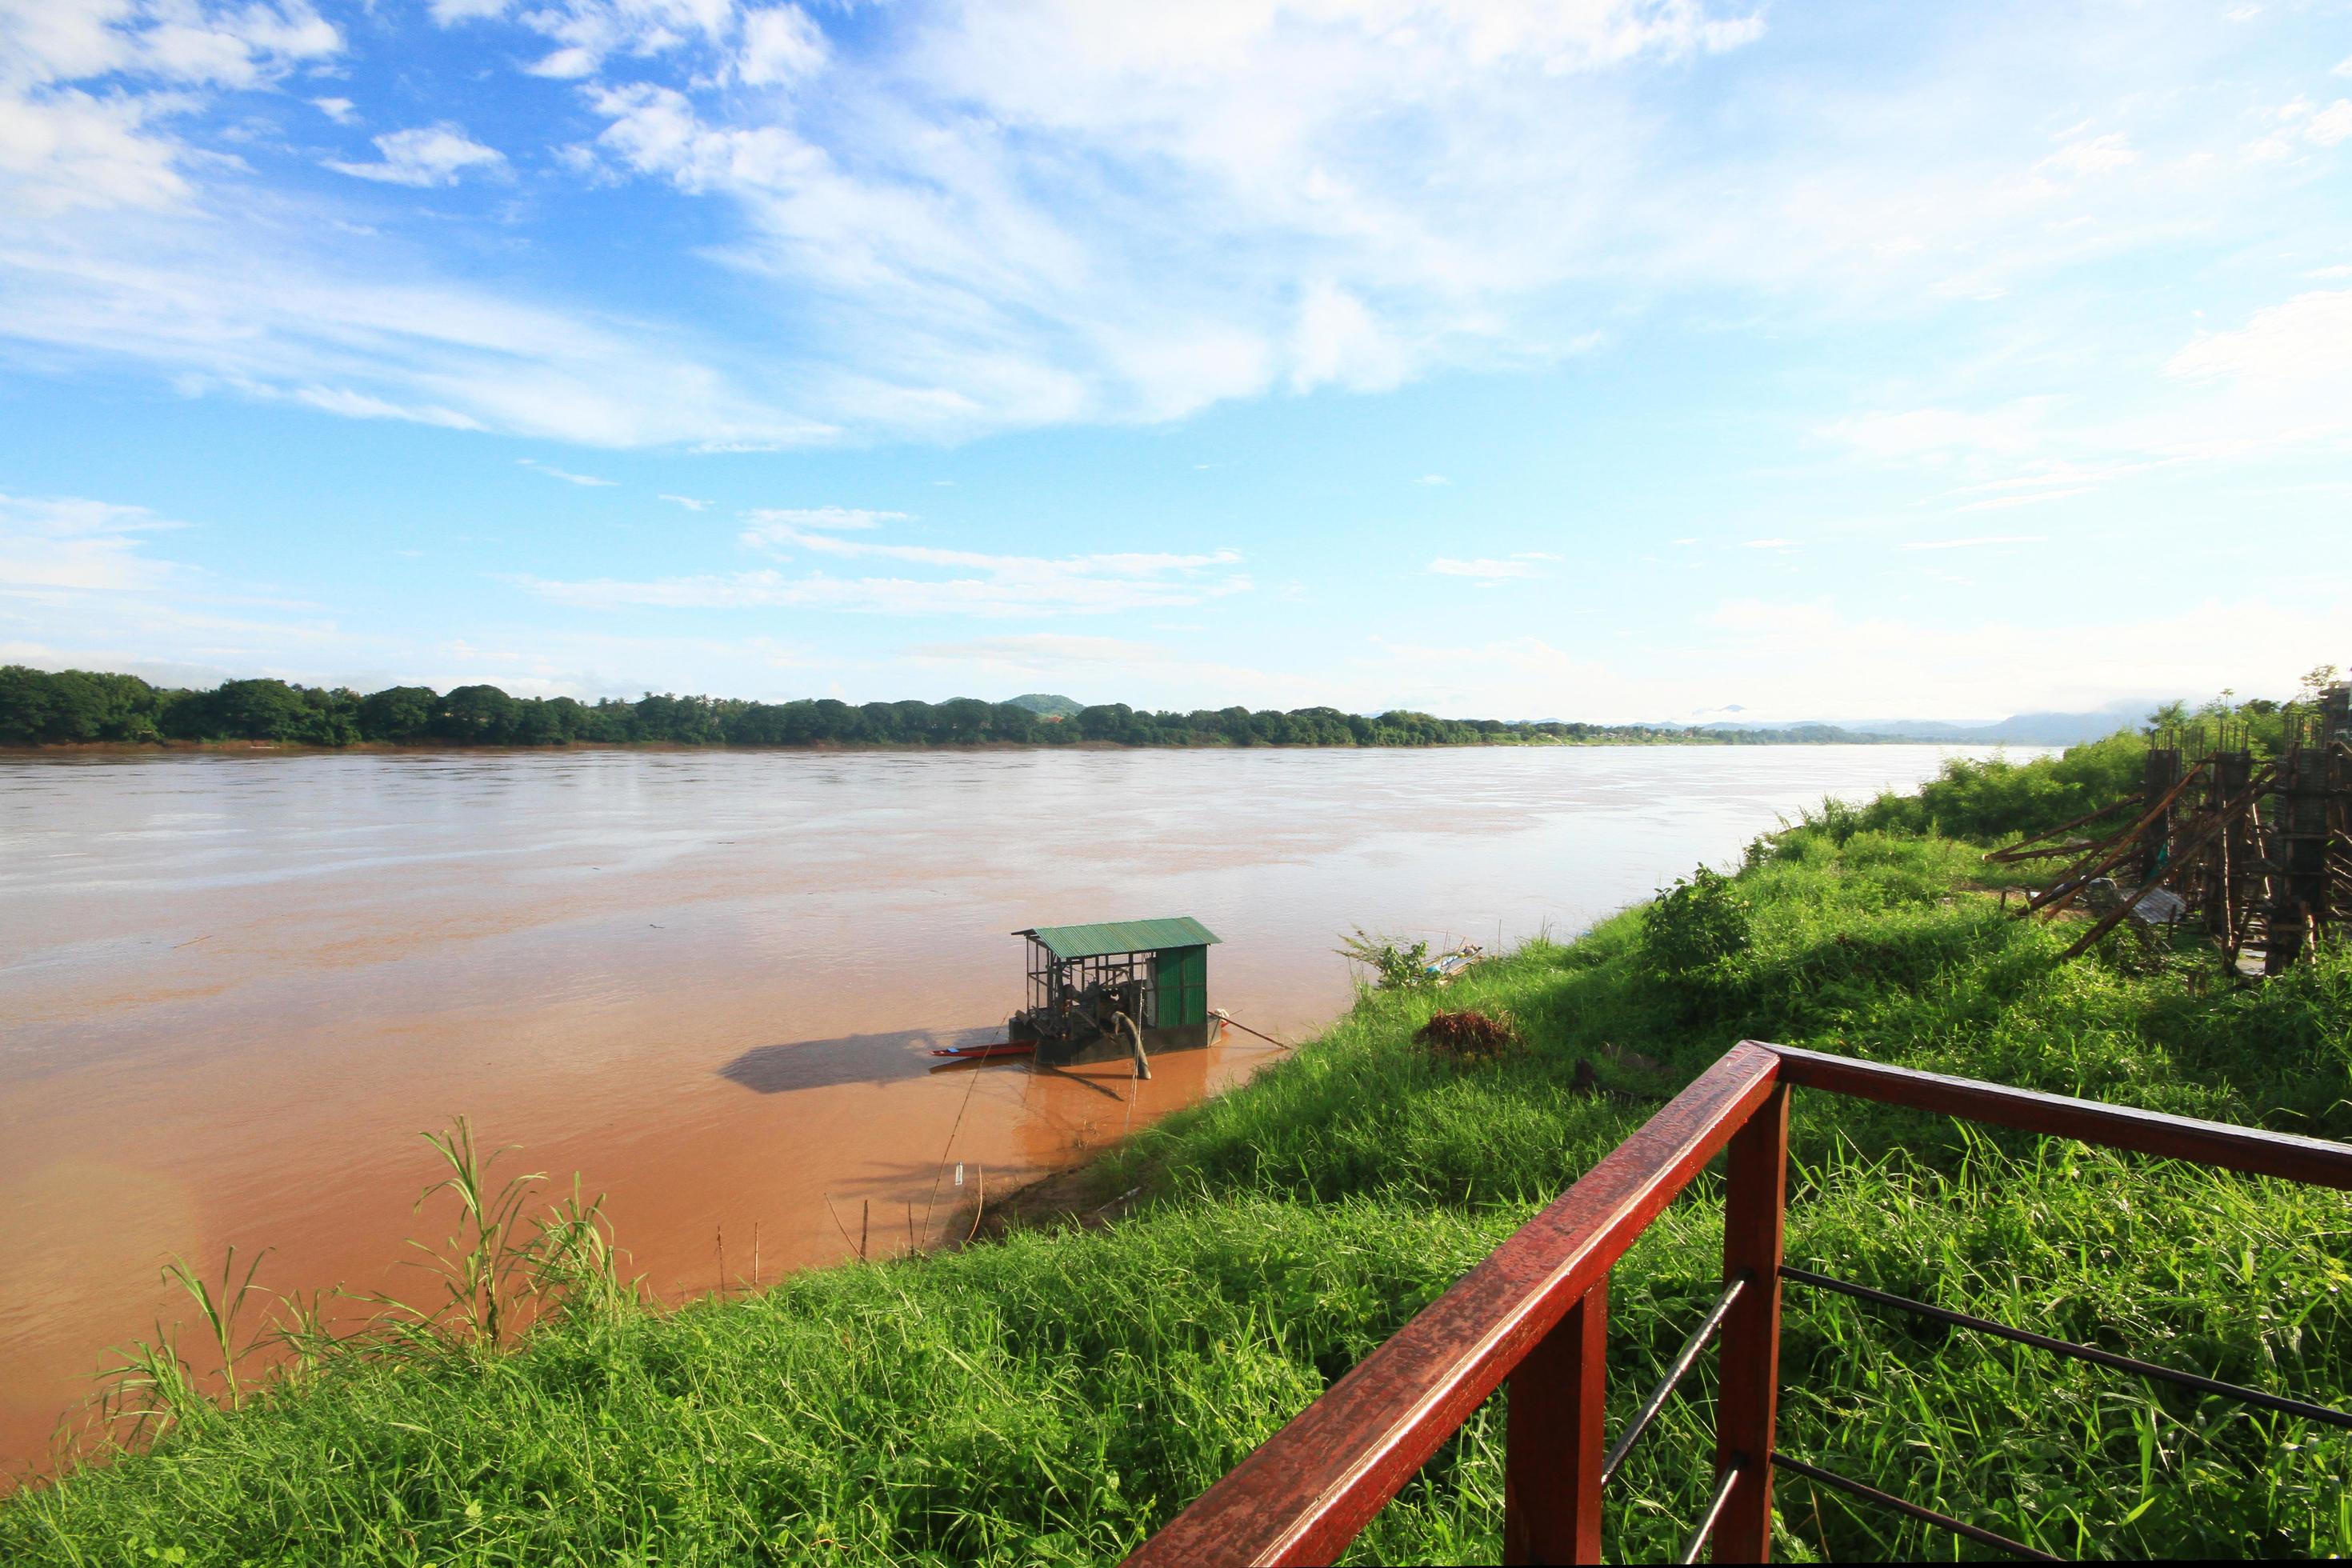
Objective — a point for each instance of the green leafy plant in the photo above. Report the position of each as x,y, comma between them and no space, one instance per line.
1394,966
154,1387
1698,930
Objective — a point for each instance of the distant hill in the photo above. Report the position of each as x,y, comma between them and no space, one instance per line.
2021,728
1046,702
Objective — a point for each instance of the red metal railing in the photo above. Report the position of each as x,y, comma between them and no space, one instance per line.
1535,1313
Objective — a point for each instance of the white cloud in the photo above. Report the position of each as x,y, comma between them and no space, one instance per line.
1485,569
781,46
64,146
1979,543
2331,124
691,503
1054,216
2030,498
201,301
2280,381
2304,341
423,156
1338,340
552,472
1883,666
68,148
980,582
775,525
80,585
1116,667
968,216
449,13
1433,479
588,33
2093,155
1048,650
69,542
1769,545
342,111
353,405
1934,432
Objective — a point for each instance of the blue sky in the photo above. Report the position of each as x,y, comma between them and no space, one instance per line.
1613,359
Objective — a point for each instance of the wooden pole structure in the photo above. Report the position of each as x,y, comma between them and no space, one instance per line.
1754,1199
1553,1439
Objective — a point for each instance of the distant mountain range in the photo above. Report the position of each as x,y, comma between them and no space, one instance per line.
2021,729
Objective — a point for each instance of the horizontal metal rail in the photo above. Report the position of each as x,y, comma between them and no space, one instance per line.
2254,1151
2093,1354
1889,1502
1307,1491
1684,1360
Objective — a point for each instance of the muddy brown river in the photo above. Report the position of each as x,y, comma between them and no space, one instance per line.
234,988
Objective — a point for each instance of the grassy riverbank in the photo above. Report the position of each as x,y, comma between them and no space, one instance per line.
1053,1397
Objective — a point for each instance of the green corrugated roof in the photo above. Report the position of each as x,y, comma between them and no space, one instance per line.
1122,936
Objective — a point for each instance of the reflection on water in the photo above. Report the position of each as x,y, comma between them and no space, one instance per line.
232,988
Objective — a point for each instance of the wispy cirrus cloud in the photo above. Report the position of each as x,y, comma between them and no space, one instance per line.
776,524
932,580
84,583
1105,665
1983,542
2034,497
962,216
566,475
1489,570
70,542
423,156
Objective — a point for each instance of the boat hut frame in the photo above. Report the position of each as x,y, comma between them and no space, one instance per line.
1082,978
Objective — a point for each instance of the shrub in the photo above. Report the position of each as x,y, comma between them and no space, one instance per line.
1698,930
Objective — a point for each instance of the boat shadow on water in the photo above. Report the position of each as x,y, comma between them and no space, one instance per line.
886,1057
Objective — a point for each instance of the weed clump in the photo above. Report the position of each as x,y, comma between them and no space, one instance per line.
1395,966
1469,1037
1696,939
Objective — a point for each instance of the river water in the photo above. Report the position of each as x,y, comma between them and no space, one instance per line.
234,988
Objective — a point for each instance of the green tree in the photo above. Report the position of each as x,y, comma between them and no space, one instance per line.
476,715
962,721
399,713
27,706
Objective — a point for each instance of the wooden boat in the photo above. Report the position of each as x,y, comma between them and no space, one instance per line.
1448,967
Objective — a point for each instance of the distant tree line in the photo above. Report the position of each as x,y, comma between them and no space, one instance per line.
66,707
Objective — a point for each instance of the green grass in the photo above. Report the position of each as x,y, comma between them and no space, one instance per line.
1054,1396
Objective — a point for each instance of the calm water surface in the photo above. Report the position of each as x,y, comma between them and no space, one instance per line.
234,988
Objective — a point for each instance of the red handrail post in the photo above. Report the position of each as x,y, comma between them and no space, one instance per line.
1754,1199
1553,1440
